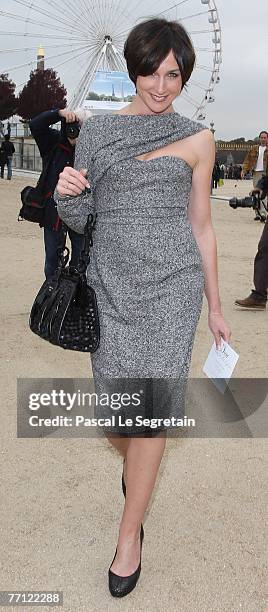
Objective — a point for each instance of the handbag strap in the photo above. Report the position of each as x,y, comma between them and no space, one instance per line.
63,252
84,257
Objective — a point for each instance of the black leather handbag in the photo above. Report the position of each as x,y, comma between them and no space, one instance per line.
34,199
65,310
33,205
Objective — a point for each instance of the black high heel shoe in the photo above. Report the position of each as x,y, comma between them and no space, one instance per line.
123,482
124,493
119,586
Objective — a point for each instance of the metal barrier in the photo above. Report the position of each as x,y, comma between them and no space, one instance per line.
26,156
27,162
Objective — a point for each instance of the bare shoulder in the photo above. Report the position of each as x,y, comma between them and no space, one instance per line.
204,144
205,137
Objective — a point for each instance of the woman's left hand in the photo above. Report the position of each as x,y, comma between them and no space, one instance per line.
219,328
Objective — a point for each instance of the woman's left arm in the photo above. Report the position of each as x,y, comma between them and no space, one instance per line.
199,215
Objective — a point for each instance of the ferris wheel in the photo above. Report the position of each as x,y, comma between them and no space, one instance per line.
81,37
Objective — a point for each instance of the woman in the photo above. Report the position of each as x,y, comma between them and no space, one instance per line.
154,252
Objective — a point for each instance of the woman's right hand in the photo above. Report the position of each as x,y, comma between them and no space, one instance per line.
72,182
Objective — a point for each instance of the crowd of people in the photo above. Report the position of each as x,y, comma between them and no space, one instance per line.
224,171
231,171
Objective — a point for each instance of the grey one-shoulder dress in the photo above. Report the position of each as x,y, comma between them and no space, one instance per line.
146,267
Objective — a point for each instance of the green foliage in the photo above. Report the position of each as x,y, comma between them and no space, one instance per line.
92,95
43,91
238,141
8,101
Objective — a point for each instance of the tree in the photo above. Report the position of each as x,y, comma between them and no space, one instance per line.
8,101
43,91
238,141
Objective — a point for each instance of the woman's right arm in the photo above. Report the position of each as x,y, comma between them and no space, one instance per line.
72,196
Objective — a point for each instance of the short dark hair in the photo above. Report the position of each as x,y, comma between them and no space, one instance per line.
7,137
263,132
149,43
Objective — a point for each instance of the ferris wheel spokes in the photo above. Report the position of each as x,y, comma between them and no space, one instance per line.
83,36
108,56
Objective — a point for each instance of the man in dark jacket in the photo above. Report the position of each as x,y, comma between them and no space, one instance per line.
257,299
54,142
7,151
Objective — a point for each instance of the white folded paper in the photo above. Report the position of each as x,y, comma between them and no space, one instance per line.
220,364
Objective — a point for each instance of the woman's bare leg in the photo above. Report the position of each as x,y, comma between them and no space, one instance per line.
143,460
120,443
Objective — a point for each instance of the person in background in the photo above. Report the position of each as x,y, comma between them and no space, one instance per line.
258,298
237,172
257,161
55,142
231,172
7,151
216,175
3,161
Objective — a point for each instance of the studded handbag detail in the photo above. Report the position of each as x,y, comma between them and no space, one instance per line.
65,311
